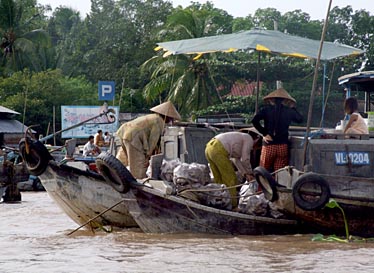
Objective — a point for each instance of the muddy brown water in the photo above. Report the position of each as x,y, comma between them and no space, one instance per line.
33,238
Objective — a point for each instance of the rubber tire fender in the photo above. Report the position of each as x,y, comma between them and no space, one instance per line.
38,157
114,172
309,205
267,183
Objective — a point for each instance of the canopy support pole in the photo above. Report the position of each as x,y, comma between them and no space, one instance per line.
310,111
258,80
323,95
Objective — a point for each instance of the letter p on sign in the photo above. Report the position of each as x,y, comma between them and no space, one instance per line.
106,90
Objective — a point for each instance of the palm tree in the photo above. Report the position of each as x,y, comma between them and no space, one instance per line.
186,81
21,44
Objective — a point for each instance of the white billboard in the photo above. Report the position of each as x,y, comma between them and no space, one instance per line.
73,115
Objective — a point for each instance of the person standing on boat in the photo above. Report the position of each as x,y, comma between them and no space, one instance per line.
277,115
139,137
223,148
90,149
356,123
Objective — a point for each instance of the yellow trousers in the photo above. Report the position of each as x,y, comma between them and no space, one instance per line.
221,166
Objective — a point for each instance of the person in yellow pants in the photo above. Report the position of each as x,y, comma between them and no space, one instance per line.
225,149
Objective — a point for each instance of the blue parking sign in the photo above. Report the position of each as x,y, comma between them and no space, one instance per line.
106,90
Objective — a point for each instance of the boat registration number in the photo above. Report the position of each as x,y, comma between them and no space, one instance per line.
355,158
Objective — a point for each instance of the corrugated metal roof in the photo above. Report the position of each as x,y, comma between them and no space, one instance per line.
11,126
7,110
245,88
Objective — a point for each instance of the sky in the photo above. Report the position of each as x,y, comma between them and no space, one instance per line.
240,8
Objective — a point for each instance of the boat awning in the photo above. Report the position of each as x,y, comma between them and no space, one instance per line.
360,81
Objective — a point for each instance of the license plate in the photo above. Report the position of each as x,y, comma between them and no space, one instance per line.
354,158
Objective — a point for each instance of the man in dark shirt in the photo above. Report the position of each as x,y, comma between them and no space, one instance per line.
277,116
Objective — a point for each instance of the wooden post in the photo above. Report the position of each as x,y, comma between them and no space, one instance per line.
311,100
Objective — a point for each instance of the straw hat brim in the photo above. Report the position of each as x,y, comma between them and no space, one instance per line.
167,109
280,93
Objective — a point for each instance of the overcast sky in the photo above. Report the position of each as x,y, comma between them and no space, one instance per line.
240,8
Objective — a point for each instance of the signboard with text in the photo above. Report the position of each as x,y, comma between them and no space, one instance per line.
72,115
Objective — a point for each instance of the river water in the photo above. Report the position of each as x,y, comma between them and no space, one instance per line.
34,238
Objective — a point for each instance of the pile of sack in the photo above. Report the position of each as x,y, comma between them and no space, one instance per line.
256,204
193,181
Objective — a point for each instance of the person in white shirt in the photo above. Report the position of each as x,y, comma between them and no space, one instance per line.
106,139
90,149
223,148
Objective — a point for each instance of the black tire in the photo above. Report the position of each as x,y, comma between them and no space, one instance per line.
37,158
267,183
311,192
114,172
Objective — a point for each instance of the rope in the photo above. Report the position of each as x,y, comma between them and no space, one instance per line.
101,213
223,188
216,88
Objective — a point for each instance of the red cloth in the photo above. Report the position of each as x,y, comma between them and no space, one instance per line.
274,157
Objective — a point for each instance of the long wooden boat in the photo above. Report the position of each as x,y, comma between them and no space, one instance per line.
84,195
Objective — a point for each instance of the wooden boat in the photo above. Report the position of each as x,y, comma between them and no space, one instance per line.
157,212
115,198
338,167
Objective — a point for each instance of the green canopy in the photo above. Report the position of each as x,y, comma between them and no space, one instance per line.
269,41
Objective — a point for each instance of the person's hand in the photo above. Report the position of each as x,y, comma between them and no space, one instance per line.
267,138
250,177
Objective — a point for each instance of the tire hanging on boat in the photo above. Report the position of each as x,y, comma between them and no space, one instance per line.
114,172
315,180
267,183
37,157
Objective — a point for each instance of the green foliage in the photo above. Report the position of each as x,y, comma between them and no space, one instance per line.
231,105
117,37
333,204
23,41
36,94
241,23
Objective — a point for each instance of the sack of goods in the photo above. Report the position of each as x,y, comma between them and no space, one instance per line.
193,182
256,204
250,202
215,195
190,176
167,169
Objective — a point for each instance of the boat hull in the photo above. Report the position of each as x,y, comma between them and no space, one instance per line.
83,196
331,220
156,212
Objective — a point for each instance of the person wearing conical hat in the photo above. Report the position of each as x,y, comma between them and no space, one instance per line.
277,115
139,137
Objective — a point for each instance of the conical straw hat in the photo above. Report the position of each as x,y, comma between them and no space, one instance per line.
167,109
280,93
